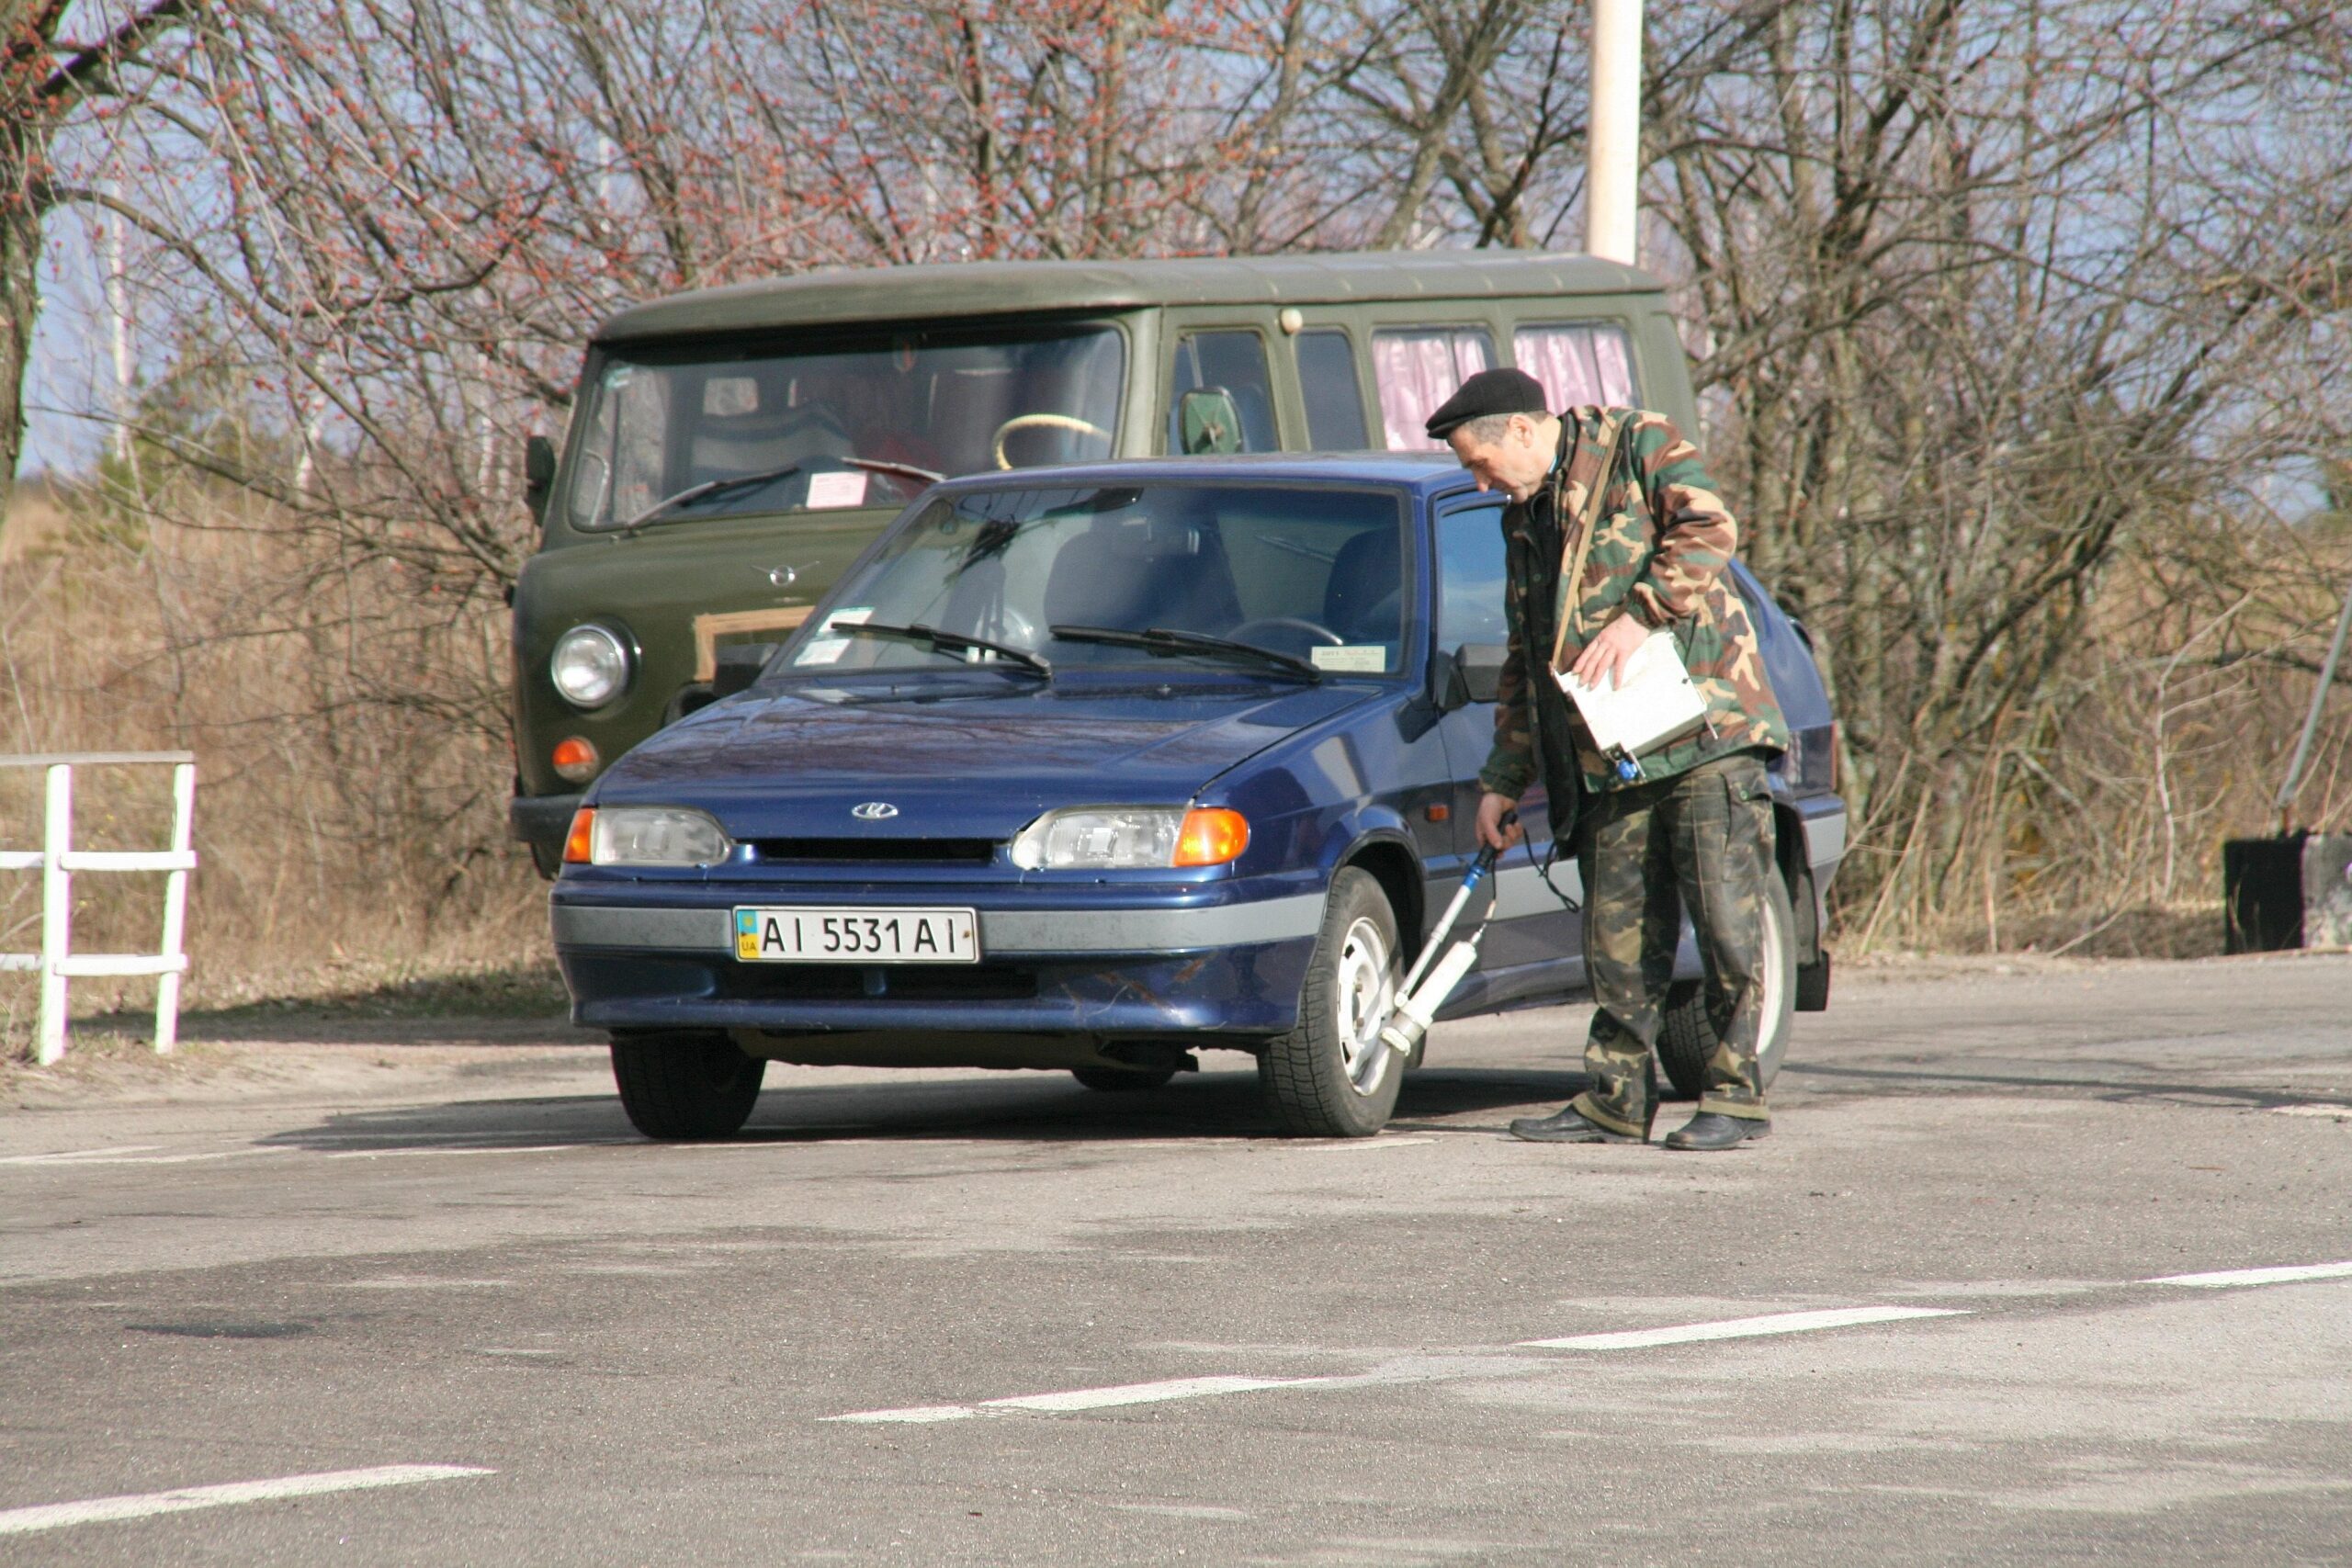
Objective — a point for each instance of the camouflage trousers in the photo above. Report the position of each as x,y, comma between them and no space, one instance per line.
1698,840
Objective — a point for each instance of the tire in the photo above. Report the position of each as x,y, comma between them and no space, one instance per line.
1687,1039
1121,1080
686,1086
1330,1076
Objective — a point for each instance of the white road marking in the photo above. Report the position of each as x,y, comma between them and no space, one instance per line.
2336,1111
95,1157
2228,1277
1083,1398
98,1510
914,1416
69,1156
1740,1329
1350,1146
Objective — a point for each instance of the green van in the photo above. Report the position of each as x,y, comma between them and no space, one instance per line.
732,449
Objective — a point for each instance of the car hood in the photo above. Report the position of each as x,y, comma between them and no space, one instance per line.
952,763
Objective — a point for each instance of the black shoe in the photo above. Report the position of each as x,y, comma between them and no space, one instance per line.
1569,1125
1712,1130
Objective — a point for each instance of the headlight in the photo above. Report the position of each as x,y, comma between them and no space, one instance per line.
589,666
653,835
1130,838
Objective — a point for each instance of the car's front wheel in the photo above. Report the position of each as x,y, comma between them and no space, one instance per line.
683,1085
1330,1076
1687,1038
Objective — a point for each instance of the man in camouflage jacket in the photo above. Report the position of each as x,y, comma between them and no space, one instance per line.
1695,830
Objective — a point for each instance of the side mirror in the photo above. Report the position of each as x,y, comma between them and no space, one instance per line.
1473,673
739,665
1207,421
538,473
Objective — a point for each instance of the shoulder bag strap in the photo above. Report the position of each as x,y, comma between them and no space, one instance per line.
1613,425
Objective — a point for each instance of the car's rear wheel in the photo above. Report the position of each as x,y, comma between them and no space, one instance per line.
1121,1080
685,1085
1330,1076
1688,1038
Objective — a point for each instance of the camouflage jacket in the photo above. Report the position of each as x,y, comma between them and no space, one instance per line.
1660,545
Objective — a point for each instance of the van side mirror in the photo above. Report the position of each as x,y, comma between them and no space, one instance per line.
538,473
1473,673
739,665
1209,420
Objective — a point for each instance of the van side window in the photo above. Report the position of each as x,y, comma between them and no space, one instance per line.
1235,364
1417,368
1327,376
1470,576
1579,362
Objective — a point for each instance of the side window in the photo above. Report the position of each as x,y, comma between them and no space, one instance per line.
1470,576
1417,368
1233,363
1327,376
1579,362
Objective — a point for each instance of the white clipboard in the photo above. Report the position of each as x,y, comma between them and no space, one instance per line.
1653,703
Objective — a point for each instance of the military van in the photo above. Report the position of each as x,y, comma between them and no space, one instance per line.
732,450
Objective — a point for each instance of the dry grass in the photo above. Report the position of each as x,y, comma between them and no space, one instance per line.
351,762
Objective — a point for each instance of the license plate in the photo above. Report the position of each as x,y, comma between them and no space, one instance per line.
819,935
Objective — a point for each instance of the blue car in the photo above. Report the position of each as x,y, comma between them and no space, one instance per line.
1093,768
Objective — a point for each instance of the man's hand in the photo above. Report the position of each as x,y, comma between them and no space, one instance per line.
1606,654
1491,831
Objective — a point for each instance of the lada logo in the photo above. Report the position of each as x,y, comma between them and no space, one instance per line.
874,811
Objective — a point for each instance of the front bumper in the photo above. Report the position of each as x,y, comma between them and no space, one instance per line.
1097,961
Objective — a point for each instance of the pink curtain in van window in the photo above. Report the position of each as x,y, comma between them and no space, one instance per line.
1576,365
1415,372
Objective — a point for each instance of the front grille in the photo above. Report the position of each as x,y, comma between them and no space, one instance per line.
844,982
895,852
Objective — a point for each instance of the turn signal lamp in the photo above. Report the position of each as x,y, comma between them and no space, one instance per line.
579,845
1129,838
575,759
1212,836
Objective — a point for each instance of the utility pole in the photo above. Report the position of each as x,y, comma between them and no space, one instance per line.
1613,132
115,292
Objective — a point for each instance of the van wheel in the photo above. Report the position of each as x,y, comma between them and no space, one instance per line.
1330,1076
686,1086
1687,1039
1121,1080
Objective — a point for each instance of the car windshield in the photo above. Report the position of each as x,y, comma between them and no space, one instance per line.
856,424
1311,572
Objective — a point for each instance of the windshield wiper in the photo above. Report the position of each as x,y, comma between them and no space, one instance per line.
693,494
883,465
1167,643
939,641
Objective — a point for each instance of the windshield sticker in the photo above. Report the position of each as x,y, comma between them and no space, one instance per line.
823,649
1353,658
836,488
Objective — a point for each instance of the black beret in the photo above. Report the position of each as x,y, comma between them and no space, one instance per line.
1487,392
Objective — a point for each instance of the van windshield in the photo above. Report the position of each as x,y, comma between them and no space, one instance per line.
1314,574
858,422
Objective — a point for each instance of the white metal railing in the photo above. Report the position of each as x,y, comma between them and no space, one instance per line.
57,860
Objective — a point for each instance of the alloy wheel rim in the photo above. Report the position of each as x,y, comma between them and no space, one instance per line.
1365,991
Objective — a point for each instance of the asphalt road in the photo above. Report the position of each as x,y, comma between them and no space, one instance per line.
452,1310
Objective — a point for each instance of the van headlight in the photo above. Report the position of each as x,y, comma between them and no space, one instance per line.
654,835
1130,838
589,666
